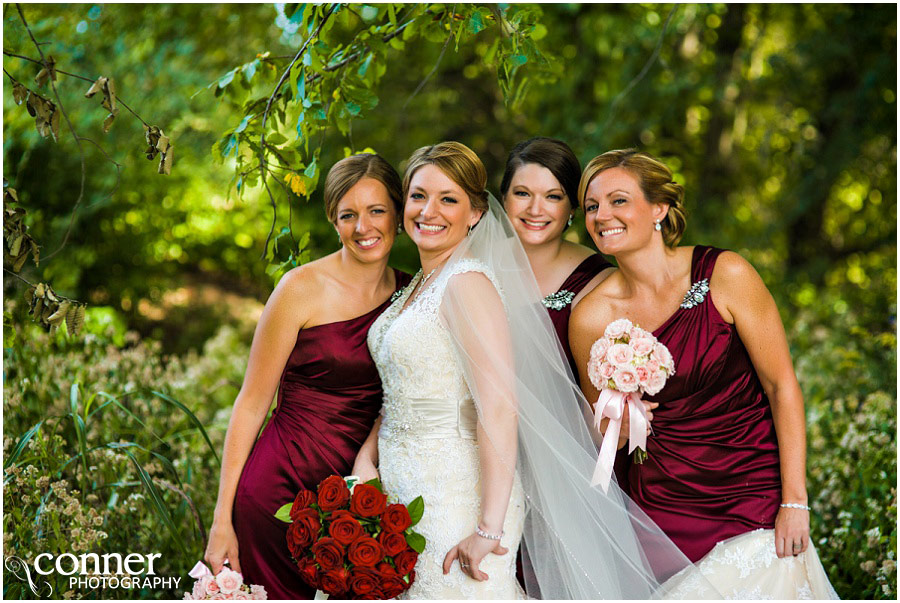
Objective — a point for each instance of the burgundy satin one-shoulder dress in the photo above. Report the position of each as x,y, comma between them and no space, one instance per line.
559,304
328,399
713,467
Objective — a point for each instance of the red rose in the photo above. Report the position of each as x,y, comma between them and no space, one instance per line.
375,595
393,542
303,531
396,518
392,586
336,582
365,551
367,501
386,569
333,493
364,580
308,572
303,500
344,527
329,554
406,561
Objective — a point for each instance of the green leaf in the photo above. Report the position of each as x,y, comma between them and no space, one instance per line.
476,24
284,513
310,171
518,60
368,13
243,125
231,146
365,66
276,138
227,78
353,108
416,509
375,482
416,542
249,70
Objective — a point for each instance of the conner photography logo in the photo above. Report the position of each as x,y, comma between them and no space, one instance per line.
90,571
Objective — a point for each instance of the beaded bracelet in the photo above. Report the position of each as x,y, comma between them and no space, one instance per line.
484,534
794,506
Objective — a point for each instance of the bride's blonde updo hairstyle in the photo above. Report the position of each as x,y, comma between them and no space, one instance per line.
461,165
344,175
655,179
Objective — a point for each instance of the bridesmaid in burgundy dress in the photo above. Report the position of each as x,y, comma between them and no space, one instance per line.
726,473
540,193
310,344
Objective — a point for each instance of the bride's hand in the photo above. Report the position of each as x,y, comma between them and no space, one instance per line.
791,532
470,552
365,469
222,545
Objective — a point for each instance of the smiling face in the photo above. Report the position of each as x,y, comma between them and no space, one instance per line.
438,213
617,214
537,205
366,221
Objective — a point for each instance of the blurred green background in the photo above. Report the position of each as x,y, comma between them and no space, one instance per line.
780,120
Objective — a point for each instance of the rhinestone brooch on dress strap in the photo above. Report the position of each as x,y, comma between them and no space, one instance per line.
558,300
696,294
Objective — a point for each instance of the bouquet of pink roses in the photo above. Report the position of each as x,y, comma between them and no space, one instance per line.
625,363
226,585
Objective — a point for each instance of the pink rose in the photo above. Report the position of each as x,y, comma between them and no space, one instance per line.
240,595
620,354
617,328
607,370
258,592
229,580
655,382
651,365
642,374
598,350
210,585
626,379
661,355
642,346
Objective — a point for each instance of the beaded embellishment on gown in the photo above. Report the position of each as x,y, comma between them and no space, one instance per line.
427,442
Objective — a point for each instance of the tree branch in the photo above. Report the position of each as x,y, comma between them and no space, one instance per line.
619,97
80,77
436,65
262,138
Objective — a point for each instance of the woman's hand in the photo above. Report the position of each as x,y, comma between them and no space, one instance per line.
364,468
222,546
470,552
791,532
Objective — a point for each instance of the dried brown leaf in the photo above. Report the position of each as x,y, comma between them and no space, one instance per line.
95,87
165,162
20,93
47,73
108,122
162,144
20,260
15,244
75,325
54,125
60,314
29,295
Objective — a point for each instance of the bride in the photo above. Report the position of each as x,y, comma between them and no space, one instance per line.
481,416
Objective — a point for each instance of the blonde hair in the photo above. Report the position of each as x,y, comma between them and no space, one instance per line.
344,175
655,180
461,165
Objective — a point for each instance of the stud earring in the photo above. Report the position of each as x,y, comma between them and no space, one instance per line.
657,226
569,223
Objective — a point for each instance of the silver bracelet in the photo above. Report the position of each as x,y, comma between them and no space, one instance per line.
794,506
484,534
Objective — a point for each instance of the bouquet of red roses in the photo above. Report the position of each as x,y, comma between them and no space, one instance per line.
350,543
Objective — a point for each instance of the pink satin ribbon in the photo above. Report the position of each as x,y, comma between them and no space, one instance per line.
611,404
199,570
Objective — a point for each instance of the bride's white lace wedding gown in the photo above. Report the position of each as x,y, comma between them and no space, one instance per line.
427,442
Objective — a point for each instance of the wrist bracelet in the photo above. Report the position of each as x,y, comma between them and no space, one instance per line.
484,534
794,506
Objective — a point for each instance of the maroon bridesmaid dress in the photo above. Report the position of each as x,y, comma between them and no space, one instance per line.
713,467
328,399
559,304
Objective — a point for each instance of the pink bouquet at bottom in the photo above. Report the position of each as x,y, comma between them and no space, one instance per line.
226,585
624,364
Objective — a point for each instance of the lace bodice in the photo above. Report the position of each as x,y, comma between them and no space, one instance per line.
425,392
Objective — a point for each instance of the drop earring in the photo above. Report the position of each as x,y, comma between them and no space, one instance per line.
569,222
657,226
400,228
